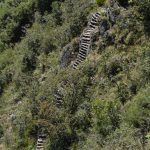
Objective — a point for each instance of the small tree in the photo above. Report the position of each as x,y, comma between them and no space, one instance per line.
100,2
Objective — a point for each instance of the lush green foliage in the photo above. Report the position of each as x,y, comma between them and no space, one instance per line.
100,2
105,102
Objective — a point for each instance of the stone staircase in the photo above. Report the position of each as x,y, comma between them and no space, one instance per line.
40,141
94,26
86,39
59,96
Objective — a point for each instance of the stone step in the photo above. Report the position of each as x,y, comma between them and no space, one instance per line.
93,22
40,148
86,36
59,101
88,30
80,56
39,144
85,44
58,96
84,47
40,140
78,61
97,14
83,50
92,26
75,65
80,53
42,136
95,17
85,39
83,53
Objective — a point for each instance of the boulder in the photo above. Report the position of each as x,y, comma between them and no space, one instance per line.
65,57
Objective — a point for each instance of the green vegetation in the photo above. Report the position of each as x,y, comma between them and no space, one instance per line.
106,102
100,2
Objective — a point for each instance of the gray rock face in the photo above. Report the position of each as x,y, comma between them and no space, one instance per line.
103,27
66,55
1,90
110,18
110,15
109,39
12,117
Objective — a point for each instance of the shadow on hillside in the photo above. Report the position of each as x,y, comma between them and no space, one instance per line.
147,27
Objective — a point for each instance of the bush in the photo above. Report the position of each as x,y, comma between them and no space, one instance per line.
106,116
1,131
137,113
123,138
100,2
144,7
123,2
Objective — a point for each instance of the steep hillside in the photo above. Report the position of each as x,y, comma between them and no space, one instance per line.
74,75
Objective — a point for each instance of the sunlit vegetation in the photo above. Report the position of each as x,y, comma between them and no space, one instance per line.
106,102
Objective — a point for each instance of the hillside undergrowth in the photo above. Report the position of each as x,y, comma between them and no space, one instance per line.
106,102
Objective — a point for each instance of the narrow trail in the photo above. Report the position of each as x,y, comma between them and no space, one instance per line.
2,147
86,40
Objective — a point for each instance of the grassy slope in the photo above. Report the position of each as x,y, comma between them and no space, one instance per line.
112,79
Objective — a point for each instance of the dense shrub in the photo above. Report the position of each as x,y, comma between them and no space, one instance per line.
1,131
123,2
103,105
106,116
138,113
144,7
100,2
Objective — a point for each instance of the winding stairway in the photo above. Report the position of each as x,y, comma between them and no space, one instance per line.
40,141
85,45
86,39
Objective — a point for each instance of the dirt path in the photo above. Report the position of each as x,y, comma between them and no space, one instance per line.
2,147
